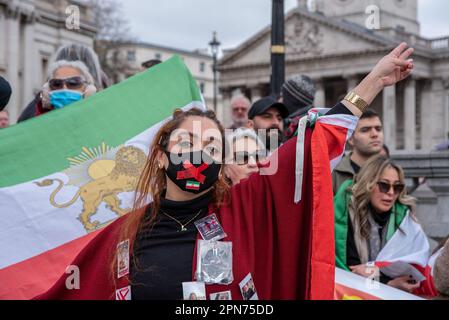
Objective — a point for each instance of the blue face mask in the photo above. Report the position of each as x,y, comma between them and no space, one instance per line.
62,98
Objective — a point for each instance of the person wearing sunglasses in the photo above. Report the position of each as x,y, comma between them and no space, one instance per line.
69,82
70,52
369,213
247,151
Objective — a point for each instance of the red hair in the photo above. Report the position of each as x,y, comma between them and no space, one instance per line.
153,182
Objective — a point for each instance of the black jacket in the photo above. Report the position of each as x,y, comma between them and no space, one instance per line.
5,93
30,110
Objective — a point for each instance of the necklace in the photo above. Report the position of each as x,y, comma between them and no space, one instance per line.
183,225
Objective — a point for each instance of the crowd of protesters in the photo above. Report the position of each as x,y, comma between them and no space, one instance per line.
371,198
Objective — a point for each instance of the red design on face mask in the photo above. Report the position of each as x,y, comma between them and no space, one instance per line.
192,172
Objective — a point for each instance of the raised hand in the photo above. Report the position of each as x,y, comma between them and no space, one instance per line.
391,69
395,66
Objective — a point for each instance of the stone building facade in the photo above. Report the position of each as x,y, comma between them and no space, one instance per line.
30,33
199,62
329,41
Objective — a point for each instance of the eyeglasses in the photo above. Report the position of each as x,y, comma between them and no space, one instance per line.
243,157
386,187
73,83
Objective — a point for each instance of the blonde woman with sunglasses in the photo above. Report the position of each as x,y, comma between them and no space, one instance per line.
376,225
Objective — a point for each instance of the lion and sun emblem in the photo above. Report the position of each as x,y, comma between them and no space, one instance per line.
101,174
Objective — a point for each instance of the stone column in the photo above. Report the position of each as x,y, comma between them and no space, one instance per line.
30,63
446,110
225,116
2,40
352,81
320,95
12,56
389,120
410,115
434,109
256,93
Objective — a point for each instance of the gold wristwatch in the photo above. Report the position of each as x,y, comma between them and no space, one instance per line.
357,101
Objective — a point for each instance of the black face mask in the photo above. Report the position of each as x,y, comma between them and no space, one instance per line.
193,172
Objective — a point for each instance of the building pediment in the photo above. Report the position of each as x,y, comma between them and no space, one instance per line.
307,35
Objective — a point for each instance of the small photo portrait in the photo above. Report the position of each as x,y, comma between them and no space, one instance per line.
210,228
226,295
194,290
123,259
248,288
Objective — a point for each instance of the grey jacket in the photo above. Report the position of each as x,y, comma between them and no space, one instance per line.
342,173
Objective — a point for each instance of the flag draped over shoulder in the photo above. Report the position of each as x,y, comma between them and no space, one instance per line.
60,174
406,252
283,245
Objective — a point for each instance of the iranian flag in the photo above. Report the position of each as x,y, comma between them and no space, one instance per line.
67,174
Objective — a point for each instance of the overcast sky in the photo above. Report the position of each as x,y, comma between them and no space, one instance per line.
188,24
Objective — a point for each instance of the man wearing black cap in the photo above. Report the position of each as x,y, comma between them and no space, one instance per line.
267,115
5,93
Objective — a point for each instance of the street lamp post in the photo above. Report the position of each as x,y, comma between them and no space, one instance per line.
277,48
215,45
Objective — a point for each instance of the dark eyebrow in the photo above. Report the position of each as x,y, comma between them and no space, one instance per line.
370,127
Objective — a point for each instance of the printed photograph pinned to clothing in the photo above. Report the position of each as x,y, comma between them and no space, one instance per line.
210,228
194,290
215,262
226,295
123,259
248,288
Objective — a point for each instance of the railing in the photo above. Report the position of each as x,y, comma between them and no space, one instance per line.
441,43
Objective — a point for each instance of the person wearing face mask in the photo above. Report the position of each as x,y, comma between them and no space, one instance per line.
198,228
69,82
375,221
71,52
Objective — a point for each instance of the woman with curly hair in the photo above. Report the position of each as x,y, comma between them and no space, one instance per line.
373,214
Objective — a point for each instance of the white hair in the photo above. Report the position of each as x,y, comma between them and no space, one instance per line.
245,133
72,64
85,54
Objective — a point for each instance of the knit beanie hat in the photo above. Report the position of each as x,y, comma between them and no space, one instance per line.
298,93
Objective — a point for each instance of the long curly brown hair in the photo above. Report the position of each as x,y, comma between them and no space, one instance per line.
153,182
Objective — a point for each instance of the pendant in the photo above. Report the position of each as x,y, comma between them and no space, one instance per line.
183,229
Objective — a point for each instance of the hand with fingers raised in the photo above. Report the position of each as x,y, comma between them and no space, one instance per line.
394,67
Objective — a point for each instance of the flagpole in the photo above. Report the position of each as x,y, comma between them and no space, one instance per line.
277,48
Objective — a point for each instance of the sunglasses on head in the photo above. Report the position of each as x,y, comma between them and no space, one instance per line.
385,187
73,83
243,157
